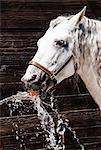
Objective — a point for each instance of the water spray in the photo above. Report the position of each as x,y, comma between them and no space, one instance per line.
55,131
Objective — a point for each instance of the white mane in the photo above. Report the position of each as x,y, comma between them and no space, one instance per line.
58,20
88,34
87,46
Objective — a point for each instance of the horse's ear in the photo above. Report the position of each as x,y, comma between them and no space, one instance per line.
78,17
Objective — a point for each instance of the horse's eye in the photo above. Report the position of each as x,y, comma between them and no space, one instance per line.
60,43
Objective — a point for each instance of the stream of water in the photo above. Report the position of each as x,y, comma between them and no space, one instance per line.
47,122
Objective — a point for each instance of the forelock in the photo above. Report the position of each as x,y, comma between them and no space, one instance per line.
58,20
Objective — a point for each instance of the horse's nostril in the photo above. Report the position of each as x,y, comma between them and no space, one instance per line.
33,78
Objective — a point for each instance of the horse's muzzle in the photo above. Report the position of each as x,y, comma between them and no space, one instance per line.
40,83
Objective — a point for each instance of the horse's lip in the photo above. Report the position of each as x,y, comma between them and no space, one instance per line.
32,92
46,86
34,86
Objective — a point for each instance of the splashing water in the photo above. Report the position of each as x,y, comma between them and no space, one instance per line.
45,118
48,125
46,122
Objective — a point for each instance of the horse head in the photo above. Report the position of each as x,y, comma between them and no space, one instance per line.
54,60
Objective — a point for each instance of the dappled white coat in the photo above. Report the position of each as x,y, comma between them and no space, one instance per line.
81,38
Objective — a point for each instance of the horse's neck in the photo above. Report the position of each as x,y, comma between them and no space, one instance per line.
90,80
91,23
90,62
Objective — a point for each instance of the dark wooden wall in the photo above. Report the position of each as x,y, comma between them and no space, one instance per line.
23,22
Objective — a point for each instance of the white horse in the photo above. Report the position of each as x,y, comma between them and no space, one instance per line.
71,44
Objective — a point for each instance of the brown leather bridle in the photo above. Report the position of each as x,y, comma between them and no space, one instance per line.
49,73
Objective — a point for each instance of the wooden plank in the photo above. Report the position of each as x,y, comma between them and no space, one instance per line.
93,146
78,101
90,139
78,118
20,35
45,12
85,117
29,125
8,89
25,122
88,131
64,103
10,78
16,58
18,44
15,4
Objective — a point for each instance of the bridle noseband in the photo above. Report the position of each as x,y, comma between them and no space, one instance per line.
51,75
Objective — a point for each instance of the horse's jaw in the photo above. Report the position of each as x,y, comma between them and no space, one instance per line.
66,72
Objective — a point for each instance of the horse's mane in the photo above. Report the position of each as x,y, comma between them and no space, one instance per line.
90,32
58,20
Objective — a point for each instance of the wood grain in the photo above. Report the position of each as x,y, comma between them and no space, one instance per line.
23,22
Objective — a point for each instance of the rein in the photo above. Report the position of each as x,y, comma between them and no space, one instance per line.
49,73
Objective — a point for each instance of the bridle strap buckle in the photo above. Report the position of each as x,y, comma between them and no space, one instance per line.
52,76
